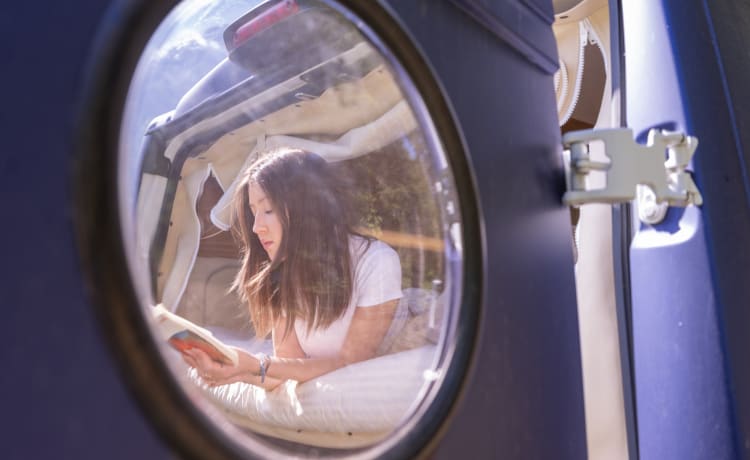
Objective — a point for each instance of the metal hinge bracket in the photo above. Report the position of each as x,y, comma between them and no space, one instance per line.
661,165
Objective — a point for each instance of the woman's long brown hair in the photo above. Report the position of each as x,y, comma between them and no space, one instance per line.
311,276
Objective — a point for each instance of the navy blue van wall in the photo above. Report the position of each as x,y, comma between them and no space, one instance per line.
59,389
61,394
690,294
525,398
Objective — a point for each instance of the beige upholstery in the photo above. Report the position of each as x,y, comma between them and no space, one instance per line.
600,347
587,15
567,11
207,300
568,39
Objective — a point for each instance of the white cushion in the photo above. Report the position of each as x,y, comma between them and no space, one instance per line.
371,396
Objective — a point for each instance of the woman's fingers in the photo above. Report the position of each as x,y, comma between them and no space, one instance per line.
208,369
192,359
189,360
213,373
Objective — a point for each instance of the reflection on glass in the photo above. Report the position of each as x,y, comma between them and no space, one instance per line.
294,219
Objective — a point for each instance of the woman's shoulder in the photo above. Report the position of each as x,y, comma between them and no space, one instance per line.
377,272
360,246
366,250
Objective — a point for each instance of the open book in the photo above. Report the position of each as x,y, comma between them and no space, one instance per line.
182,334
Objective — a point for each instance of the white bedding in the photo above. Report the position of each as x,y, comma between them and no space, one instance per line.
359,403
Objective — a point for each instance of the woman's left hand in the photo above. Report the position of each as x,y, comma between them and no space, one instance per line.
215,373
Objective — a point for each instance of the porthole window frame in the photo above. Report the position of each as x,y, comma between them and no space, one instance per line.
122,38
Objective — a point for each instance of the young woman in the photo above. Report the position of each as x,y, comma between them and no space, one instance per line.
326,294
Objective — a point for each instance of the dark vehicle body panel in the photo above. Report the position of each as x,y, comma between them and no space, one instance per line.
62,391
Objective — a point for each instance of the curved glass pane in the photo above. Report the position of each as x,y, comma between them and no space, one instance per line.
291,222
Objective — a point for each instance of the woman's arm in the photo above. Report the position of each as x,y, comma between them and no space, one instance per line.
248,367
366,332
286,345
215,373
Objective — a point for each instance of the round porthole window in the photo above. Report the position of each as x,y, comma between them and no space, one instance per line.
298,228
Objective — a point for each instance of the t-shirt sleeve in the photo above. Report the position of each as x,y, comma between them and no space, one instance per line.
378,276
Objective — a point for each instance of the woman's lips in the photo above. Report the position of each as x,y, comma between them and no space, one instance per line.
266,243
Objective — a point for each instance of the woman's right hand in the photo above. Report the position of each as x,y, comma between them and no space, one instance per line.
215,373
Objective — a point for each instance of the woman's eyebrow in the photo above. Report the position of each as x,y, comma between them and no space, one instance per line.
252,205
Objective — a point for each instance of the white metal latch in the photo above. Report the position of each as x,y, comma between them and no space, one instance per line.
630,165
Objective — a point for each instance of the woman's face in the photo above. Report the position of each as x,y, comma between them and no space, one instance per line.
267,224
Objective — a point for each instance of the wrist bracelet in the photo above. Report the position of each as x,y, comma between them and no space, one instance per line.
264,361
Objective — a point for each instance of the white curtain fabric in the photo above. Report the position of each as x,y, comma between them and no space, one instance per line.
392,125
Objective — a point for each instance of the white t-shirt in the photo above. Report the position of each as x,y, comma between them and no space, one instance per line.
377,279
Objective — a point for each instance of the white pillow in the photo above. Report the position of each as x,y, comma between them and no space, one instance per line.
371,396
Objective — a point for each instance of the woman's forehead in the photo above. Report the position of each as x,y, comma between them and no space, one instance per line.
256,194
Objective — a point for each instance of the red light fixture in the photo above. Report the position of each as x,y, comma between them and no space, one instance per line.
265,20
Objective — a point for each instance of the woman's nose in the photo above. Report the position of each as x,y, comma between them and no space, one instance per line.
258,225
